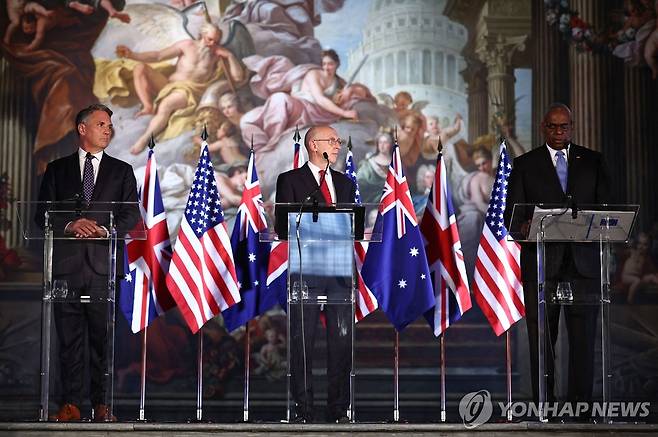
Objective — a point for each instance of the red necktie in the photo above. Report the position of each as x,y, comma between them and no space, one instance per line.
324,188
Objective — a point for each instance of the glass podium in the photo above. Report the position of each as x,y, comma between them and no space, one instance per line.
48,221
600,225
321,285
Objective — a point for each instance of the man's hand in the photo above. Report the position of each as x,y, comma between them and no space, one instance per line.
124,52
85,228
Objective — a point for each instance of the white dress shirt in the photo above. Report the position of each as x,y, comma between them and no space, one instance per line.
95,163
553,153
328,179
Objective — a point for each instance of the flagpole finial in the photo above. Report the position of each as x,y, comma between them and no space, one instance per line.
151,143
296,136
440,146
349,143
204,134
502,139
252,143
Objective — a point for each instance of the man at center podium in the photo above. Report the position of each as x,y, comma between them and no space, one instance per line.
311,182
562,173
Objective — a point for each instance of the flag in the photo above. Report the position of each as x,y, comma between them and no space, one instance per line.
396,269
497,280
202,277
366,302
143,290
250,254
444,255
277,269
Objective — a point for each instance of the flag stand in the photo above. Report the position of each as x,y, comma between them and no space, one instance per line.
443,377
199,387
396,377
508,359
247,352
142,379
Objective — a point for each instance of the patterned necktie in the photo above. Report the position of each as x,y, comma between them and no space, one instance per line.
324,188
561,168
88,178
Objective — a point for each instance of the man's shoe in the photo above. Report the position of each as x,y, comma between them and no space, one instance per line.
300,418
343,419
102,414
67,413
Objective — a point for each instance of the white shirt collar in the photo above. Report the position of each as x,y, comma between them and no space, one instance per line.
82,154
553,153
316,174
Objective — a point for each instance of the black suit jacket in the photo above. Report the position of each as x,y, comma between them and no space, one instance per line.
115,183
294,186
534,180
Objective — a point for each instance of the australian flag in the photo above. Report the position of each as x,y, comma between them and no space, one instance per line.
396,269
251,256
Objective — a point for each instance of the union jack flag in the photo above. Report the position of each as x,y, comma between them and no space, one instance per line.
251,255
497,281
366,302
277,269
143,290
202,277
396,269
444,255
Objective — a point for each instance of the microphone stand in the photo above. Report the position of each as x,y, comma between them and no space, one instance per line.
300,295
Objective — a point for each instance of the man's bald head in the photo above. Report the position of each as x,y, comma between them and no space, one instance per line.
321,139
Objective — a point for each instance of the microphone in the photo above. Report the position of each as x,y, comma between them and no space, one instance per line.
572,205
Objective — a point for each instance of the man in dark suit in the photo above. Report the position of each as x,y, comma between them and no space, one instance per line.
295,186
89,175
563,173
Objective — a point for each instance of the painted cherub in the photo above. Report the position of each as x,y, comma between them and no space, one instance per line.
88,7
24,15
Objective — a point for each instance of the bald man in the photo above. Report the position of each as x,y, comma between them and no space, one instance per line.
552,173
295,186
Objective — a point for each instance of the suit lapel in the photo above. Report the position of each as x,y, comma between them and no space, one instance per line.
75,180
104,170
548,167
575,160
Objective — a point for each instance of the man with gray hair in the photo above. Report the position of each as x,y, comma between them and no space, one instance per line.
200,62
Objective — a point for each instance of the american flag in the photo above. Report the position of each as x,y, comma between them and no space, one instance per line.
143,290
497,280
444,255
202,277
366,302
396,269
251,255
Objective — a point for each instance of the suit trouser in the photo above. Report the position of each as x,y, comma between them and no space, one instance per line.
339,348
71,319
581,331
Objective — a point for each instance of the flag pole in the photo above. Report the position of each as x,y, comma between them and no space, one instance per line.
396,379
142,379
443,377
508,359
199,386
247,353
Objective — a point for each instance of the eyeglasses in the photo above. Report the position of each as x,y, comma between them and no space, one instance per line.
554,127
332,141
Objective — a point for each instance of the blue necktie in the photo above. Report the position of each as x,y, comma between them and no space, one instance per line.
561,168
88,178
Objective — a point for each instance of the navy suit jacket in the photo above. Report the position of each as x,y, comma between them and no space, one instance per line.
115,183
534,180
294,186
